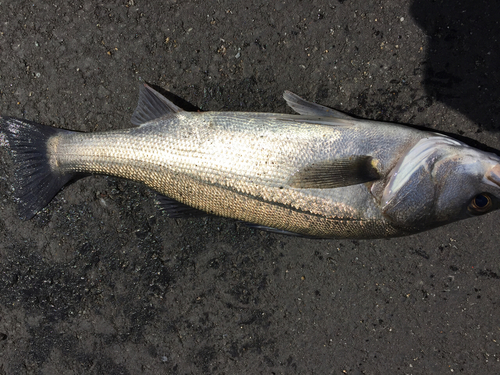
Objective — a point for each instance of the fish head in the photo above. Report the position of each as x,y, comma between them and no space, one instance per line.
441,180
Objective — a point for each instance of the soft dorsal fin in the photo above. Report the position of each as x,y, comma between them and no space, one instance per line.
316,120
331,174
152,105
306,108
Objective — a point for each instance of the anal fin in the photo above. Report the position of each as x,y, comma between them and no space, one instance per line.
177,210
272,230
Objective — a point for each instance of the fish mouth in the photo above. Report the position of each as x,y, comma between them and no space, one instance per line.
493,175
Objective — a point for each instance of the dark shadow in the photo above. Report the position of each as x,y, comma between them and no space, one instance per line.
462,67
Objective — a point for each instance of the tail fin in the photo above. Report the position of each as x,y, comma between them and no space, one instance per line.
35,181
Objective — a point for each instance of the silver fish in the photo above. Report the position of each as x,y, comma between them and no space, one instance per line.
321,173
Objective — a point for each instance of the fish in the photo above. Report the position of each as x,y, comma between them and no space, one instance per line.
318,173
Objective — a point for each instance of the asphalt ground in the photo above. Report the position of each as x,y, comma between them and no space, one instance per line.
102,282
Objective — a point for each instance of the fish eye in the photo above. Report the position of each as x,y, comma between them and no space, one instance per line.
480,204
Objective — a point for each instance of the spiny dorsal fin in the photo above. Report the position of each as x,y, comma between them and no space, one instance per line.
306,108
152,105
331,174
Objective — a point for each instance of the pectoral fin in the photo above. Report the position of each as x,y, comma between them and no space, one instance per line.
336,173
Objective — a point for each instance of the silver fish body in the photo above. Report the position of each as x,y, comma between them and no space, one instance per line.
320,174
